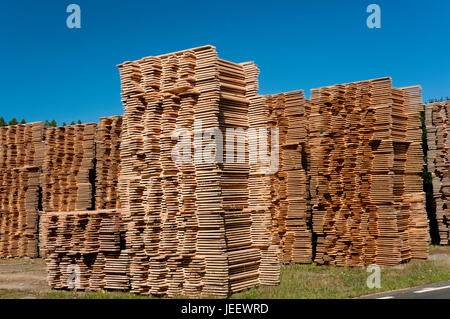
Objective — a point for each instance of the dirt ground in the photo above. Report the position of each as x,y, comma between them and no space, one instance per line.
27,278
23,274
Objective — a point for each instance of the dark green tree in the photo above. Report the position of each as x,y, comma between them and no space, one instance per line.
442,99
2,122
23,121
53,123
47,123
64,124
73,123
79,122
13,121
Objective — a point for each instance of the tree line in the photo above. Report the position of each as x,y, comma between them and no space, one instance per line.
51,123
442,99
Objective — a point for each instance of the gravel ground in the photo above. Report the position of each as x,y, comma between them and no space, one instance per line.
23,274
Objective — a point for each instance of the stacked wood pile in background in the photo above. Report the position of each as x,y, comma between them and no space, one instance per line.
290,183
107,162
189,226
86,250
365,161
54,169
69,159
80,170
438,137
21,156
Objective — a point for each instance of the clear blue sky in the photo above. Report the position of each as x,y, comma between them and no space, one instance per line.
50,71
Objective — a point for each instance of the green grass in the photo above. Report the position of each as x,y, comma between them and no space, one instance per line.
62,294
319,282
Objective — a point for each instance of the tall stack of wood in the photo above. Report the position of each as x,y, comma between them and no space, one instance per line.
188,227
288,112
21,155
85,250
438,138
262,164
107,162
419,229
365,166
68,168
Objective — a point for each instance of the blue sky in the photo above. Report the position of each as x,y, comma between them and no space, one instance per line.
52,72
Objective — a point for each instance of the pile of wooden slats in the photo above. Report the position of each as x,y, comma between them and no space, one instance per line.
81,169
68,167
288,112
344,188
107,162
260,205
189,226
365,161
21,155
243,259
77,167
86,250
418,226
438,138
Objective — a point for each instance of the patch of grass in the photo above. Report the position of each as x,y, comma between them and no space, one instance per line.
330,282
14,294
64,294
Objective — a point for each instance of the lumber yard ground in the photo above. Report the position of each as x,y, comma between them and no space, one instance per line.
26,278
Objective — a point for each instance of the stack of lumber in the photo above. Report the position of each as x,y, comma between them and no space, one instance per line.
188,227
261,165
21,155
278,182
414,163
438,137
68,168
364,162
243,259
86,250
107,162
42,231
418,232
77,167
81,169
288,112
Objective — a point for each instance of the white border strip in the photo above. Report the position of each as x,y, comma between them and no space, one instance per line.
430,289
